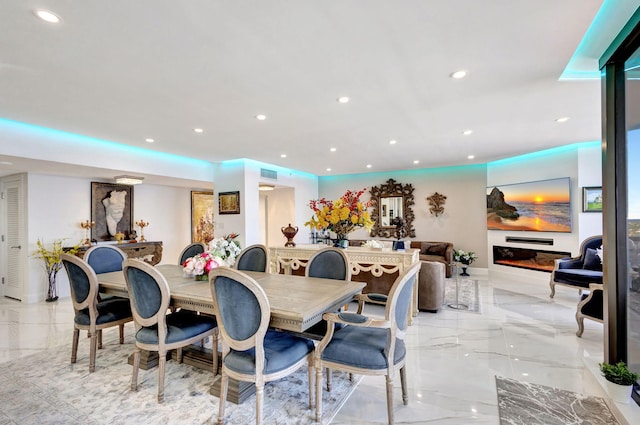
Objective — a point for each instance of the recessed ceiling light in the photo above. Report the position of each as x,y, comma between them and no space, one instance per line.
458,74
333,149
467,132
328,169
343,99
149,140
393,142
128,179
416,162
263,187
47,16
283,155
261,117
563,119
471,156
198,130
368,165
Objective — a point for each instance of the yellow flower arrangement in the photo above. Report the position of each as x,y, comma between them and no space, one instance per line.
342,215
52,263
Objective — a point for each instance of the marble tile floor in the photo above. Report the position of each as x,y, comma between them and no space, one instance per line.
453,356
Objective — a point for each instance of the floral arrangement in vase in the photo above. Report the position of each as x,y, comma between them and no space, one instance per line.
341,216
464,257
52,263
220,252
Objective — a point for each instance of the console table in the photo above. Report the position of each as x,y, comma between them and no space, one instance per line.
378,268
150,252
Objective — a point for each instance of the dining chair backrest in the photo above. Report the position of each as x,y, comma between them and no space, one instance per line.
399,299
253,258
190,251
105,258
148,293
329,263
242,310
83,283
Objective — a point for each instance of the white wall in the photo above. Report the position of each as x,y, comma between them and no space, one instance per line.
281,210
57,205
463,221
582,164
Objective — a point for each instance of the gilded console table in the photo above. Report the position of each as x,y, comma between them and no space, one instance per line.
378,268
150,252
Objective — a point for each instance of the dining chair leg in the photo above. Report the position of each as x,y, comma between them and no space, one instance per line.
318,367
136,366
162,361
74,345
328,379
310,376
403,384
179,354
121,330
214,351
92,352
99,332
389,399
259,402
224,384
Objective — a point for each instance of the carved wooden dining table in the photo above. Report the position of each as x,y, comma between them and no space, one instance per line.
296,302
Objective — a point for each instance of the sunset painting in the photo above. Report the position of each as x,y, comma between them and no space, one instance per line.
541,206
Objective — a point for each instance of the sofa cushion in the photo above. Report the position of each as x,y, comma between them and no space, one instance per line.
434,249
577,277
592,260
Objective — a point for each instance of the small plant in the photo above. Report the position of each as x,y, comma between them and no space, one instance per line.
618,373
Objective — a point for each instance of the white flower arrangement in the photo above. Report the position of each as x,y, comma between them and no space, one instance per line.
464,257
220,252
372,243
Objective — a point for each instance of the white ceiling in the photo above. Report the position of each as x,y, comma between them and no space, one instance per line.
128,70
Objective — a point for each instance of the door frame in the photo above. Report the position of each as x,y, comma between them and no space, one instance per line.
21,180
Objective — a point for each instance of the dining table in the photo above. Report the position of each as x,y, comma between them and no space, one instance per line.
296,302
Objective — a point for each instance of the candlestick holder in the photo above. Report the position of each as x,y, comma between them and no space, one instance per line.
142,224
87,225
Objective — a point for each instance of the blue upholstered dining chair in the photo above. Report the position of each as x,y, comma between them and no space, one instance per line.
253,258
156,330
105,258
251,352
90,314
369,346
190,251
329,263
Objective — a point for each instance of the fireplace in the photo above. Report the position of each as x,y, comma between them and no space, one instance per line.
527,258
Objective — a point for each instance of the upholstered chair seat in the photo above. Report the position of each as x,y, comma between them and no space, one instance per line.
110,310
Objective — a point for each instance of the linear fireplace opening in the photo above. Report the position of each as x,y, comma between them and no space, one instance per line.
527,258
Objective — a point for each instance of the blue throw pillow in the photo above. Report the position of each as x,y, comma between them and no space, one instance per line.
592,261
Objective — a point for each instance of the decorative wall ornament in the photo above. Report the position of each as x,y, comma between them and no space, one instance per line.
436,202
391,200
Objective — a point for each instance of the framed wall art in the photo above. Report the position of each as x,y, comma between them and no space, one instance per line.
111,210
202,208
229,202
592,199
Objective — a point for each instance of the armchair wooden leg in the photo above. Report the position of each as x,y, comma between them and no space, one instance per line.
136,366
318,367
389,399
259,402
403,383
74,345
162,361
553,289
224,384
580,320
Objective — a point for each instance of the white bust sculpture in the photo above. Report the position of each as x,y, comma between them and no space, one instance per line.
114,209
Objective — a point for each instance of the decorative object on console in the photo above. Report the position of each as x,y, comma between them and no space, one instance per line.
111,210
202,221
620,381
220,252
142,224
119,237
436,202
592,199
400,224
373,245
465,258
229,202
541,206
340,216
289,232
390,200
52,264
87,226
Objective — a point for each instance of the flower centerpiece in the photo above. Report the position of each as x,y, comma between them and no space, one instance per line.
340,216
465,258
52,263
220,252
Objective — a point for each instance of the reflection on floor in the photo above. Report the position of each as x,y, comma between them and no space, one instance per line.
453,356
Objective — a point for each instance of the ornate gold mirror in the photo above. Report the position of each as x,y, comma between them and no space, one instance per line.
392,200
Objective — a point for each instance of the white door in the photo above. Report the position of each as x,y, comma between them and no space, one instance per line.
13,223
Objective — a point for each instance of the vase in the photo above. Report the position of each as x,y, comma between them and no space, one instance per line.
619,393
201,277
52,292
341,241
464,265
289,232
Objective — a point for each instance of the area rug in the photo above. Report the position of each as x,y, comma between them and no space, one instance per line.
45,388
523,403
468,294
